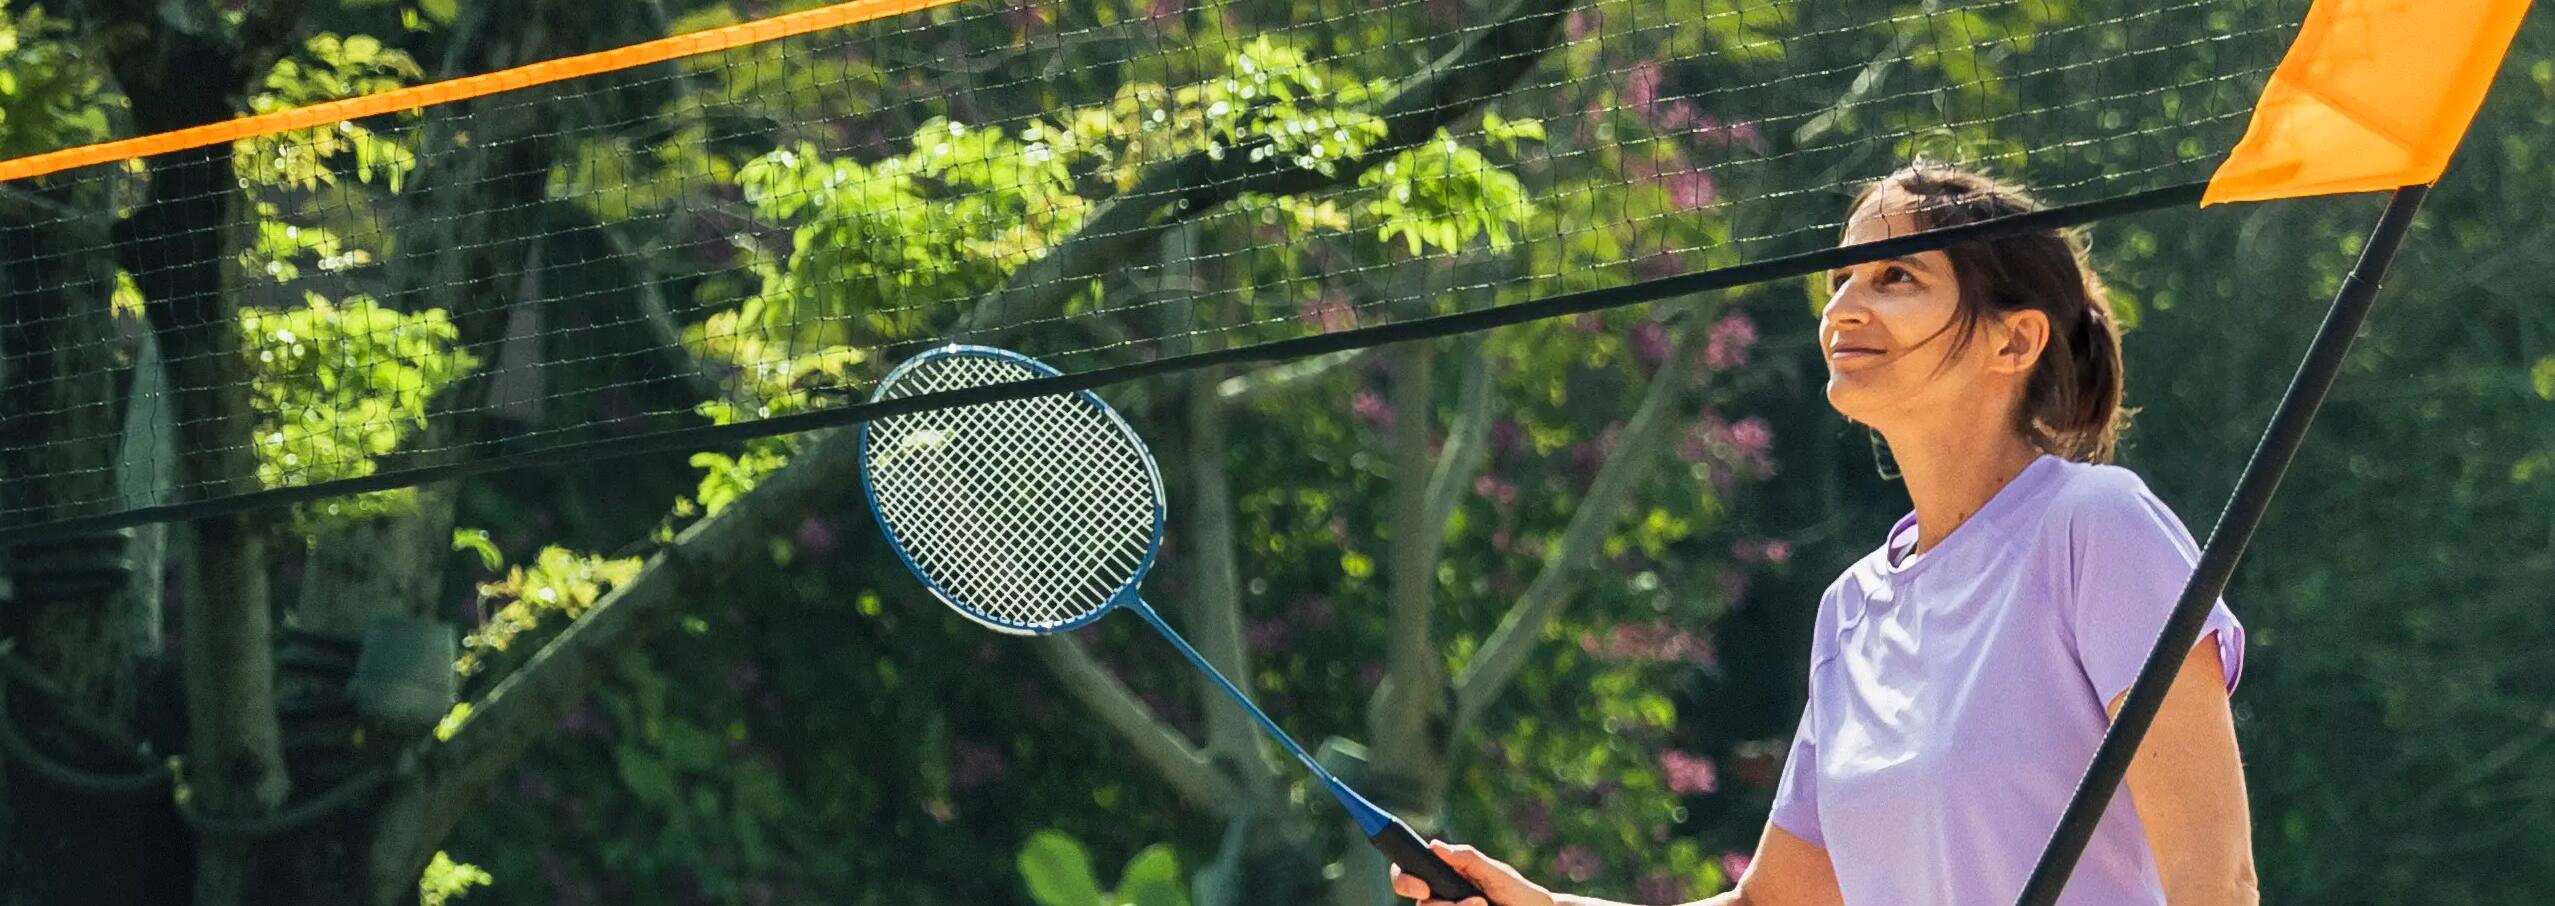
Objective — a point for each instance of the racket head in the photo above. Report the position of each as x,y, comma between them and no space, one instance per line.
1029,517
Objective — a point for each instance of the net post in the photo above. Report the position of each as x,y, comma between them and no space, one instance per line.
2279,446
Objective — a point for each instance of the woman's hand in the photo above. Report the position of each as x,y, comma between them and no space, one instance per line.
1499,882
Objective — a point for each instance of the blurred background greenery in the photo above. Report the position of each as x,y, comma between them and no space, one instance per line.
1545,589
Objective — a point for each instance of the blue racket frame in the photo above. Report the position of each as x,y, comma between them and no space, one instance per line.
1388,833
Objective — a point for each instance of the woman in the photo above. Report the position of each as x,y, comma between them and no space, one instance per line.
1962,674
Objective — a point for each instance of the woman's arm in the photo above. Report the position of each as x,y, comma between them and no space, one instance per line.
1787,871
2188,785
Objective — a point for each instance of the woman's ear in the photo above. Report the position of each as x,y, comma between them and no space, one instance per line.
2021,336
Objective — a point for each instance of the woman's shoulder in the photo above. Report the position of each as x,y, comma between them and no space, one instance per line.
2087,493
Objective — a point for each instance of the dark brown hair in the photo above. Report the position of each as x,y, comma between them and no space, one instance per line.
2071,404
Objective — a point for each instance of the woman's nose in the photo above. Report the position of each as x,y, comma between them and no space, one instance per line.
1844,309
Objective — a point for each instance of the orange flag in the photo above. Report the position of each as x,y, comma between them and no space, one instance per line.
2373,95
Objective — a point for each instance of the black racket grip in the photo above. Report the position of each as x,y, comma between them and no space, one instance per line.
1406,849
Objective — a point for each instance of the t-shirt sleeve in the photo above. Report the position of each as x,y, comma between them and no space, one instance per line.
1796,805
2131,558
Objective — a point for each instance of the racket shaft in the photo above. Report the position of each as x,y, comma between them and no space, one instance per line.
1389,835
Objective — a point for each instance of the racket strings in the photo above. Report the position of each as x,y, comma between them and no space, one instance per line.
1031,513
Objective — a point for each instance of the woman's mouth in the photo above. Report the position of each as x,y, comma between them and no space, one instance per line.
1852,353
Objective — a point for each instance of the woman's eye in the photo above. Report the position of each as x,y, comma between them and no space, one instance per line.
1896,275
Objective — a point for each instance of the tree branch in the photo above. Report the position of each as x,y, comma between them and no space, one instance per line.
1190,186
1400,717
1179,764
528,702
1467,443
1636,451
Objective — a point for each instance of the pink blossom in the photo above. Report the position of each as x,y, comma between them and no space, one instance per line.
1653,640
1688,774
1369,408
1164,9
1581,23
1641,87
1649,342
1498,490
1588,323
1727,345
1772,551
1752,438
1692,189
1578,863
815,535
1662,887
1734,865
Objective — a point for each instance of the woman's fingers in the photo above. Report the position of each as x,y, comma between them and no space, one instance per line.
1407,886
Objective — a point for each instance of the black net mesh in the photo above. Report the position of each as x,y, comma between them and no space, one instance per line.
608,259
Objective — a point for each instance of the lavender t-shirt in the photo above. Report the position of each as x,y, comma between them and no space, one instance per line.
1956,698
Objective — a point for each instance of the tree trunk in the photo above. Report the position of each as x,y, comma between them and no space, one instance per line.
75,620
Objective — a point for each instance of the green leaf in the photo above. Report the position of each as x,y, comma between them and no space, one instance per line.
1058,871
476,541
1152,879
2543,377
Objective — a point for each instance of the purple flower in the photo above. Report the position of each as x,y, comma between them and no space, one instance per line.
1688,774
1692,189
816,535
1370,675
1506,435
1164,9
744,677
1734,865
1649,342
1662,887
1776,551
1578,863
1641,86
1369,408
1581,23
1727,345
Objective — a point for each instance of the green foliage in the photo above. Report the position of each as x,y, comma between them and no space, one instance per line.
557,581
1058,871
336,385
48,93
332,68
446,881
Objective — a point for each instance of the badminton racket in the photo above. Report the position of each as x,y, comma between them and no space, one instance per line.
1040,515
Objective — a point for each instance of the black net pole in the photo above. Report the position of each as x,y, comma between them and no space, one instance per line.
2280,442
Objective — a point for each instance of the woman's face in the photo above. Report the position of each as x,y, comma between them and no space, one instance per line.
1888,327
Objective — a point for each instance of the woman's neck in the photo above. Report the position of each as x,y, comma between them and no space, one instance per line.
1951,474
